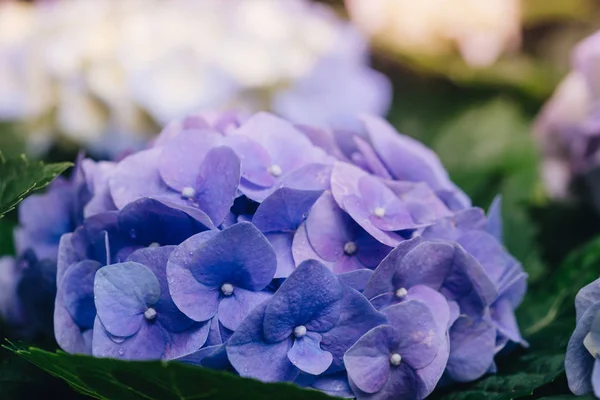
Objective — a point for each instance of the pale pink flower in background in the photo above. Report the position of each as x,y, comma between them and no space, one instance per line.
481,31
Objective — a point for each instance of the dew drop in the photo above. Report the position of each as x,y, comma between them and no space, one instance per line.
121,351
133,233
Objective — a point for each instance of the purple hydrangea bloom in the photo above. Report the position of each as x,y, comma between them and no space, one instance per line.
136,317
304,327
480,238
419,269
581,361
568,128
268,249
105,239
397,360
222,274
43,219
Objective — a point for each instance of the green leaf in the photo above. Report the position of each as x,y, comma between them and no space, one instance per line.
20,177
104,378
20,379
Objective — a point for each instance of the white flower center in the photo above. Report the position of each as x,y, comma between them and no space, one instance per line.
350,248
227,289
395,359
188,192
300,331
379,212
275,170
401,293
150,314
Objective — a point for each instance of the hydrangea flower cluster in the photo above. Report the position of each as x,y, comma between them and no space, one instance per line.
105,73
581,361
344,261
567,128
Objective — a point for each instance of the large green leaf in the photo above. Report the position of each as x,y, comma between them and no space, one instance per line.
20,177
103,378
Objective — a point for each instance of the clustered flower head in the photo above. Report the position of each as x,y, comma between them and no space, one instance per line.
340,260
567,128
437,28
581,361
105,73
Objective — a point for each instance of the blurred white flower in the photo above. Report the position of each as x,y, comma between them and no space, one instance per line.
481,30
105,73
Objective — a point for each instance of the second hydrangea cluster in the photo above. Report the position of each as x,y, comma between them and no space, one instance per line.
344,261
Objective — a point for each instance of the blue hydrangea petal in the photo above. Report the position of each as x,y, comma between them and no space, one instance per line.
416,332
239,255
253,356
311,296
302,250
403,383
77,289
255,160
334,385
185,342
494,218
437,304
382,279
156,258
307,355
148,343
356,279
372,160
234,308
472,348
504,317
148,221
596,378
282,245
182,157
368,360
67,255
288,148
578,361
329,228
185,290
384,300
357,317
374,193
429,264
586,297
311,177
407,159
217,183
213,357
122,293
284,210
71,336
137,176
97,176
